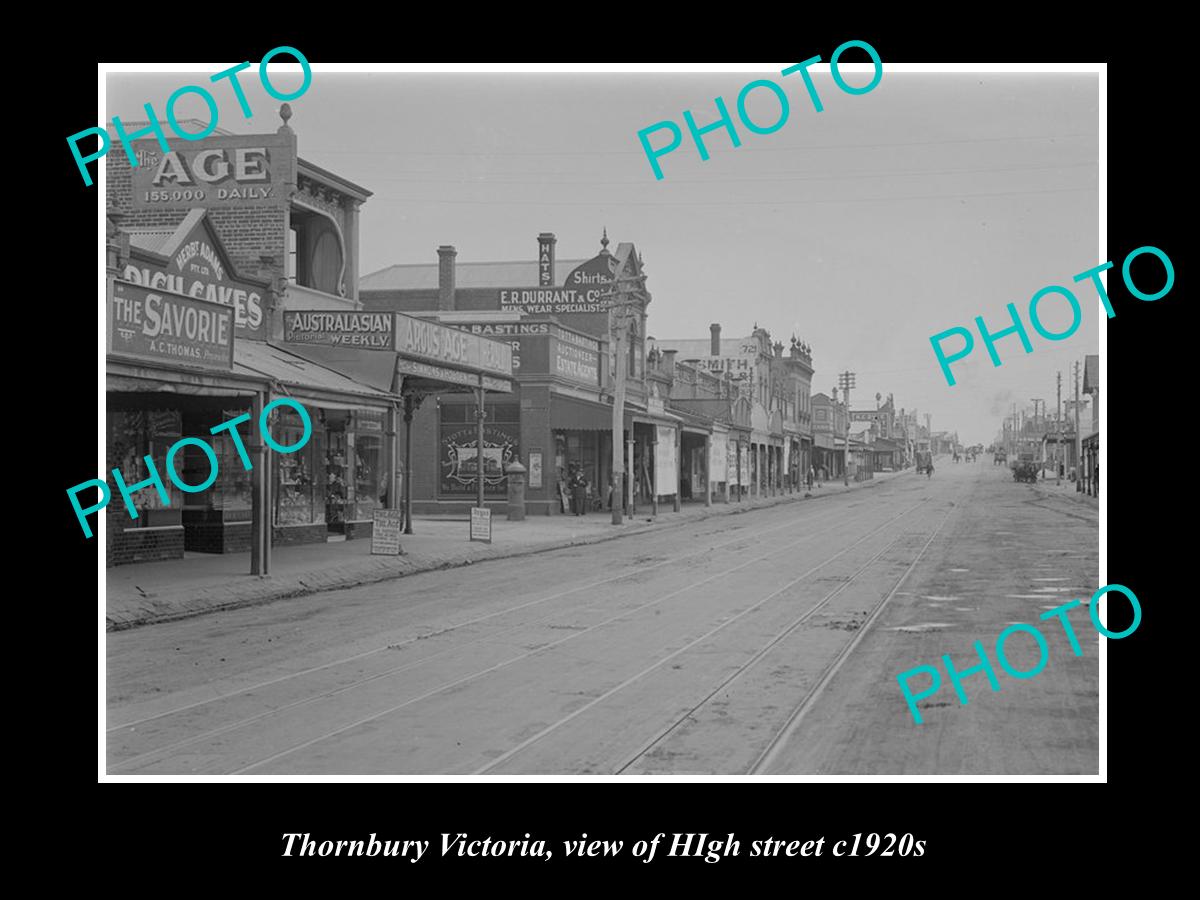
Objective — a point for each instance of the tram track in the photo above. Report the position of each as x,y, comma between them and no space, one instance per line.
625,574
789,726
164,751
626,614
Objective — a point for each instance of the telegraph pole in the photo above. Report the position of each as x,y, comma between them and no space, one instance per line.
1042,441
846,382
1058,433
1077,442
621,296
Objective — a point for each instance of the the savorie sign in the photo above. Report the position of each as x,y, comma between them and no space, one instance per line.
160,326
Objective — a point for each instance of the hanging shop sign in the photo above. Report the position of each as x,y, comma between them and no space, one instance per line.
442,345
666,466
368,331
452,376
220,171
166,327
732,471
717,457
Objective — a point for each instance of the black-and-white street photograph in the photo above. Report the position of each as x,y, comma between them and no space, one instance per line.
639,421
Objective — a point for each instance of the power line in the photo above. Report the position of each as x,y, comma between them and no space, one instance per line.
604,204
743,149
769,179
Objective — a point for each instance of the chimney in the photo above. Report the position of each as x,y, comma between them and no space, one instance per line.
546,241
715,348
446,256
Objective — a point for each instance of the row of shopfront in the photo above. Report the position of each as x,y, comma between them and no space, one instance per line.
215,309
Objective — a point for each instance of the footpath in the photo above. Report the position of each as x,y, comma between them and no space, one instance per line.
148,593
1065,491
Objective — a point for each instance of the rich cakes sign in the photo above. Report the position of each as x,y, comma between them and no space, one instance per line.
225,171
195,267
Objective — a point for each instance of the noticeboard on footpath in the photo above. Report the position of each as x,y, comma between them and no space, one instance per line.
385,532
481,524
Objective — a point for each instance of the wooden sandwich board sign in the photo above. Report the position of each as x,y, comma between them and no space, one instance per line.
481,524
385,532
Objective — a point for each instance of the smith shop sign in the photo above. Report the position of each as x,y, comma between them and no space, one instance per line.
165,327
369,331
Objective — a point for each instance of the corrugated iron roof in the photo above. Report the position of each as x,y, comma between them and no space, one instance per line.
424,276
150,239
256,358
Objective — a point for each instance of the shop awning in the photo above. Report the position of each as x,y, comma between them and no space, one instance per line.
573,414
304,379
121,377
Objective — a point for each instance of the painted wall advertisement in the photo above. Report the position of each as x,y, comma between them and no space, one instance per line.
666,464
368,331
218,171
576,357
583,291
162,326
460,459
525,338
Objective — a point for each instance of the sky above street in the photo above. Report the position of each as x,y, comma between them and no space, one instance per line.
863,229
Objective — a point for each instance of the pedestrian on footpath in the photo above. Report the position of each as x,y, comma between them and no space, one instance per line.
579,486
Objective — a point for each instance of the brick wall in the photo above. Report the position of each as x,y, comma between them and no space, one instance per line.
246,232
135,545
300,534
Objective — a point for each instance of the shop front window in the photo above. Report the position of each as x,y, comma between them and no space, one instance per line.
366,450
300,497
132,435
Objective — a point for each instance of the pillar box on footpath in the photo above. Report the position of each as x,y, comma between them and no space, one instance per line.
516,491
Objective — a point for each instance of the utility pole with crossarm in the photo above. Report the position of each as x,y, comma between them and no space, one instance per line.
623,297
